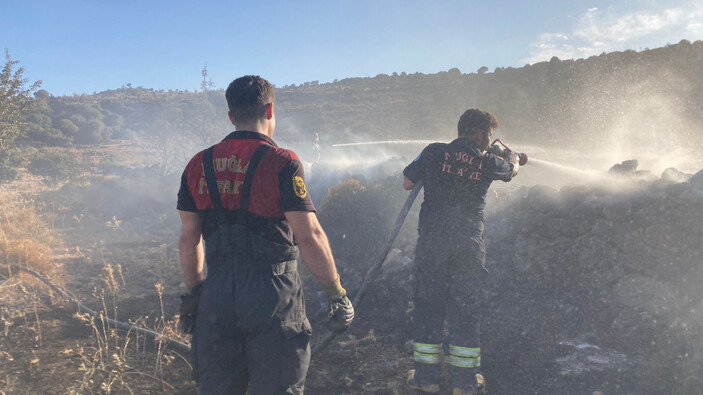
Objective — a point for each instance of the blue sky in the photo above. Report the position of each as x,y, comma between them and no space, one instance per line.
90,46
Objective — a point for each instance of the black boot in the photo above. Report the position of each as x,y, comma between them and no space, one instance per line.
428,388
472,389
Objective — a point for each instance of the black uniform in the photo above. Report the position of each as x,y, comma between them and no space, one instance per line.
450,255
251,329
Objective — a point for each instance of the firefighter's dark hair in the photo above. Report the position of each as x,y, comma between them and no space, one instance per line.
248,96
475,120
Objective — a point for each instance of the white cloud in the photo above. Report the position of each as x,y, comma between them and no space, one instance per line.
610,30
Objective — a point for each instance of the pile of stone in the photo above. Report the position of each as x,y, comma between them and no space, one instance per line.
592,288
619,270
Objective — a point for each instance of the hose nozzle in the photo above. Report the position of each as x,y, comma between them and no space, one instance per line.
503,151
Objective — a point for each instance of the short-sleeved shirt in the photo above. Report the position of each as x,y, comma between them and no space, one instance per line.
277,187
456,178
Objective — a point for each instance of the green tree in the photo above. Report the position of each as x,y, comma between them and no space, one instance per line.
15,100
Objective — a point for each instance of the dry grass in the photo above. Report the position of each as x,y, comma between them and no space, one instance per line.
103,360
119,362
25,239
37,355
125,267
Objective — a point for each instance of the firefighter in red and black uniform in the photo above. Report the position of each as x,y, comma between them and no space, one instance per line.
246,198
450,252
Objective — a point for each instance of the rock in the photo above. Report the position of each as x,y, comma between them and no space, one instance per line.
672,174
625,167
697,181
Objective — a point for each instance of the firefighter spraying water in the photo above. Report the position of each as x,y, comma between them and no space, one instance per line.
499,161
450,252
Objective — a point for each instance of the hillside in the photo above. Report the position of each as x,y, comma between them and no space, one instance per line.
572,101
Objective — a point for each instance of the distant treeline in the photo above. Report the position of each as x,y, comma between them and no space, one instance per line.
574,101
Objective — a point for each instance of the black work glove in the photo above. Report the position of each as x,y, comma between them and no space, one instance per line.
341,313
189,306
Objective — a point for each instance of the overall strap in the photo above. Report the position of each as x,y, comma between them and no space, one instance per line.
209,168
249,178
210,179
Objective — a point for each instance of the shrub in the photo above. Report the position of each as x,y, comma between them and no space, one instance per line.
54,164
67,127
50,136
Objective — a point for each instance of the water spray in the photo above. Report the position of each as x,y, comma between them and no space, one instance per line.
495,149
399,142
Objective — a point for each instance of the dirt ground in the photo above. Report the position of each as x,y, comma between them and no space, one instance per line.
114,246
47,350
109,266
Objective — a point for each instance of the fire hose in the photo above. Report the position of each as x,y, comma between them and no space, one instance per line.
180,346
371,272
369,277
175,344
383,252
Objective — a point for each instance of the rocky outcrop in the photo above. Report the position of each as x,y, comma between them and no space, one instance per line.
591,288
620,270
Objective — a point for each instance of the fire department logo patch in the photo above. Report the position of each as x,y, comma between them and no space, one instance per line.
299,187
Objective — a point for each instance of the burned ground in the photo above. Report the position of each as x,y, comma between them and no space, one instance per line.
592,288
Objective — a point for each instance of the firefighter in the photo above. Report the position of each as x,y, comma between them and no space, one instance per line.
450,252
316,147
246,198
